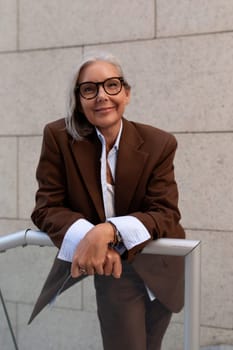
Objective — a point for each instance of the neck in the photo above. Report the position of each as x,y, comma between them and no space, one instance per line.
110,139
110,136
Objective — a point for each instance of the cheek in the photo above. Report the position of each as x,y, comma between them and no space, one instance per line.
124,103
84,107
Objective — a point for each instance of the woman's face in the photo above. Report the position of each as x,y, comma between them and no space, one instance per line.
104,111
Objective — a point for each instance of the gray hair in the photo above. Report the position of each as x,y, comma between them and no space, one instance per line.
77,124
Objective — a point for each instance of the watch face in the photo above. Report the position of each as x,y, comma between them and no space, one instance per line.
120,248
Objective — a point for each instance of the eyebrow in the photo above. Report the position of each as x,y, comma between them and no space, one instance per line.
99,82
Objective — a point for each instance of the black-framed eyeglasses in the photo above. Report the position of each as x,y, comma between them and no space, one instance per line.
89,89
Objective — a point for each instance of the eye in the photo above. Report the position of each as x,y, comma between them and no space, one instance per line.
88,88
112,84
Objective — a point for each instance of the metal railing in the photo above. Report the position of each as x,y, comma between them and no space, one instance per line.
190,249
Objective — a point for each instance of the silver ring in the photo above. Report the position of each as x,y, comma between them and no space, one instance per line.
82,270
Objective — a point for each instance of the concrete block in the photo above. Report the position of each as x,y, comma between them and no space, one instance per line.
8,25
215,336
8,178
216,278
59,329
28,268
9,226
34,89
173,339
29,280
186,17
179,84
204,170
45,24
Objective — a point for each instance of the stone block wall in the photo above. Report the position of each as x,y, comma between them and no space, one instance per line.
178,58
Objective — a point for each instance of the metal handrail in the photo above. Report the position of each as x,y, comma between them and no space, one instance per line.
190,249
24,238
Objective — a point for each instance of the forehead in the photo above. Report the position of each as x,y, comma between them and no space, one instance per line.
98,71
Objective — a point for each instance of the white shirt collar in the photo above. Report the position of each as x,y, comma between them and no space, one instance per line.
117,142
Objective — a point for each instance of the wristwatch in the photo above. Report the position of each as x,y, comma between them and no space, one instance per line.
117,237
118,243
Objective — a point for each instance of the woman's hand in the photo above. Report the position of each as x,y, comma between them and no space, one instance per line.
90,255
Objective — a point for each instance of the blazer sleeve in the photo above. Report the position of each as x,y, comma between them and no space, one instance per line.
159,212
51,213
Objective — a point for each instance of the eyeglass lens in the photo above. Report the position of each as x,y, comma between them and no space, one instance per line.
112,86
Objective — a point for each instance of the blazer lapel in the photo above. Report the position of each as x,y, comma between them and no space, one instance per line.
130,166
87,154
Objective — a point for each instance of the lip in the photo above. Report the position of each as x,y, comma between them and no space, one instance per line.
104,109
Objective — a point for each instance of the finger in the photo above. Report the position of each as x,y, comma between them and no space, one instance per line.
108,267
90,270
75,270
82,270
117,268
99,269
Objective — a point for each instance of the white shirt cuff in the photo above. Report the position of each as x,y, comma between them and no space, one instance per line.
132,230
73,236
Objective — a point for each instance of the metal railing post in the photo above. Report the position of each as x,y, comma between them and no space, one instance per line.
8,321
191,250
192,299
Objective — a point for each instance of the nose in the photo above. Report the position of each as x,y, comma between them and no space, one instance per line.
101,94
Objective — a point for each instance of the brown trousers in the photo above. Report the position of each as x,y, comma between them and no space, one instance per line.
128,319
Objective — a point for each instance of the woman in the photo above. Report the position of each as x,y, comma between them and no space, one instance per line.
106,189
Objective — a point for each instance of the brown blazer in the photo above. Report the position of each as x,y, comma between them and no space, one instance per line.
68,175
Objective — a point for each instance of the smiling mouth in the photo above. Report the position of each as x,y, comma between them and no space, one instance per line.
104,109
